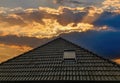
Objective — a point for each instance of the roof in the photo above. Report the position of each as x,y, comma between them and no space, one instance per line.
46,63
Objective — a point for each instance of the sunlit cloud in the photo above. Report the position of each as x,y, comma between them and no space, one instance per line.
48,22
112,5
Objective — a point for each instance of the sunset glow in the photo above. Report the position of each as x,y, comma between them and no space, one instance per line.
10,51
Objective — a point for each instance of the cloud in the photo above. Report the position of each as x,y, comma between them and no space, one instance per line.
111,5
12,19
64,2
26,3
67,16
77,3
6,10
109,19
22,41
57,1
47,22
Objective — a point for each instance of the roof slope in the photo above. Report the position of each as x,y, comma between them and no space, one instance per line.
45,63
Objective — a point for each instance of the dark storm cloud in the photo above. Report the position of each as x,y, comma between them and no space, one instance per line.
63,2
76,3
28,41
108,18
36,16
69,16
68,1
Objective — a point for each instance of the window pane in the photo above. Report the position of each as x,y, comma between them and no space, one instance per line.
69,55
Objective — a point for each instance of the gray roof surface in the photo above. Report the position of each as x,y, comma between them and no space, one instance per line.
46,63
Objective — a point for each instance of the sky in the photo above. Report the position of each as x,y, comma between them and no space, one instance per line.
92,24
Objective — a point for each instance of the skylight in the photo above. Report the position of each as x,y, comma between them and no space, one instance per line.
69,55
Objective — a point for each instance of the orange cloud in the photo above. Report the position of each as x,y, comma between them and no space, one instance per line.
10,51
112,5
47,22
117,61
